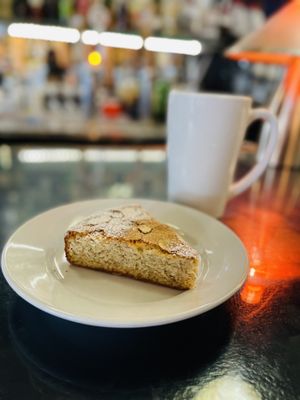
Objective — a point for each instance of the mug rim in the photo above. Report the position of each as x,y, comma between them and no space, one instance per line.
210,94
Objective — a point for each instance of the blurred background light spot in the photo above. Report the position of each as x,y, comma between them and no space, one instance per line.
94,58
49,155
176,46
121,40
228,388
152,156
44,32
148,156
5,157
120,190
111,155
90,37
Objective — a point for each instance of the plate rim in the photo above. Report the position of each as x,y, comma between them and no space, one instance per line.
130,324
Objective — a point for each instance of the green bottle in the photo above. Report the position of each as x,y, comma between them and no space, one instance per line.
160,94
65,10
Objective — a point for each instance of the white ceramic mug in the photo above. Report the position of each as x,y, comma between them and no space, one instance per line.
205,133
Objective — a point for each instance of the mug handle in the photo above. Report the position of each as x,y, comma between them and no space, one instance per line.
257,170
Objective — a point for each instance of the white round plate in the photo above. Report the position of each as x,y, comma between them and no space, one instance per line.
34,265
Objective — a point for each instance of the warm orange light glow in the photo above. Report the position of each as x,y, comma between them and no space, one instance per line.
252,294
273,250
273,246
94,58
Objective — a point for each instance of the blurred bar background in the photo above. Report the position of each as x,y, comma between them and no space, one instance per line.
106,78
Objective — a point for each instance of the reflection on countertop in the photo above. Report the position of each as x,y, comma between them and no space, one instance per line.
268,225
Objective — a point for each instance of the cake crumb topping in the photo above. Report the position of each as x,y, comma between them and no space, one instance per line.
133,223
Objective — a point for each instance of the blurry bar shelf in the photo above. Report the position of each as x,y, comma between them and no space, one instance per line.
72,129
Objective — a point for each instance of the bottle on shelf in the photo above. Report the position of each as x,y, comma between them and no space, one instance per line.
65,11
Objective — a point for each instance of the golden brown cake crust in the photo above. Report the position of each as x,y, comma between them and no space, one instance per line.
131,223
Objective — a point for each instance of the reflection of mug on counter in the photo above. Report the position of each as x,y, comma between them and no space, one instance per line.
205,133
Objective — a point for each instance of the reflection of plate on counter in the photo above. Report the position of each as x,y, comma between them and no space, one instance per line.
34,265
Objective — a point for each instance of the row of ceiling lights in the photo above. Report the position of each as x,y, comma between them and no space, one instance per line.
108,39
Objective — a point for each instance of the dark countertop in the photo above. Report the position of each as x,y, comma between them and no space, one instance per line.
75,129
247,348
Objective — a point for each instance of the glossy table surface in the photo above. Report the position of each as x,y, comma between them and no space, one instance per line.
247,348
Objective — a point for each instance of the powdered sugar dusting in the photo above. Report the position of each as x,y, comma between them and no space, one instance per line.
133,223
